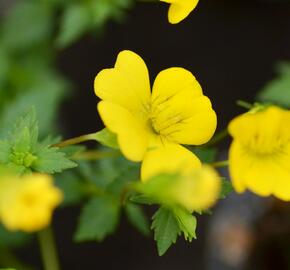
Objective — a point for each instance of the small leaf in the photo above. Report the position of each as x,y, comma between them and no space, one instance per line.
186,221
99,218
278,90
137,218
51,160
166,229
107,138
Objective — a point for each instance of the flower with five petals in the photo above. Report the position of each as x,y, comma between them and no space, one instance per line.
150,126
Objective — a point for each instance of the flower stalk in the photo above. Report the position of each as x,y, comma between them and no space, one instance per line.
48,249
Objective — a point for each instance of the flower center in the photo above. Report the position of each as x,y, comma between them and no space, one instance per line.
263,145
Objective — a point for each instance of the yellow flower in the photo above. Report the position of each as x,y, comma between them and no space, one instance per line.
151,126
27,203
180,9
195,191
259,157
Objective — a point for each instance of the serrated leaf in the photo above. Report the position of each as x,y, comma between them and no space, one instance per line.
98,219
51,160
187,222
226,188
76,20
137,218
24,134
107,138
166,229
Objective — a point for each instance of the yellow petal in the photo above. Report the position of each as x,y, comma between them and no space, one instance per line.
127,84
263,129
168,158
132,136
179,109
180,9
201,189
264,175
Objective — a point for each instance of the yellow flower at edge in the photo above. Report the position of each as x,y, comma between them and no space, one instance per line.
180,9
151,126
27,203
195,191
259,157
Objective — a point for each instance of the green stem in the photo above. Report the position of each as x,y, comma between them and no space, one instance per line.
220,164
48,249
245,104
218,137
76,140
95,155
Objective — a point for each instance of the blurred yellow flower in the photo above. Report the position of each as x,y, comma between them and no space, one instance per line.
151,126
180,9
27,203
197,190
259,157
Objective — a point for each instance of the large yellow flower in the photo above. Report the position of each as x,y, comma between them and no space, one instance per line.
151,126
180,9
259,156
27,203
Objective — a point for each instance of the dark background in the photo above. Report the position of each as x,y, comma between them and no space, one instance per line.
230,46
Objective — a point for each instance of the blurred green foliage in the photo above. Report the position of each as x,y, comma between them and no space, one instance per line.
277,91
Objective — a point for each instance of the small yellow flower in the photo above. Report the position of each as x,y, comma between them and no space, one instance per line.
198,190
259,157
180,9
195,191
151,126
27,203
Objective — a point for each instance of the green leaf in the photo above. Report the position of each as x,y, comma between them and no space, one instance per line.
99,218
47,100
186,221
107,138
51,160
226,189
278,90
76,20
24,134
137,218
71,186
28,24
166,229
